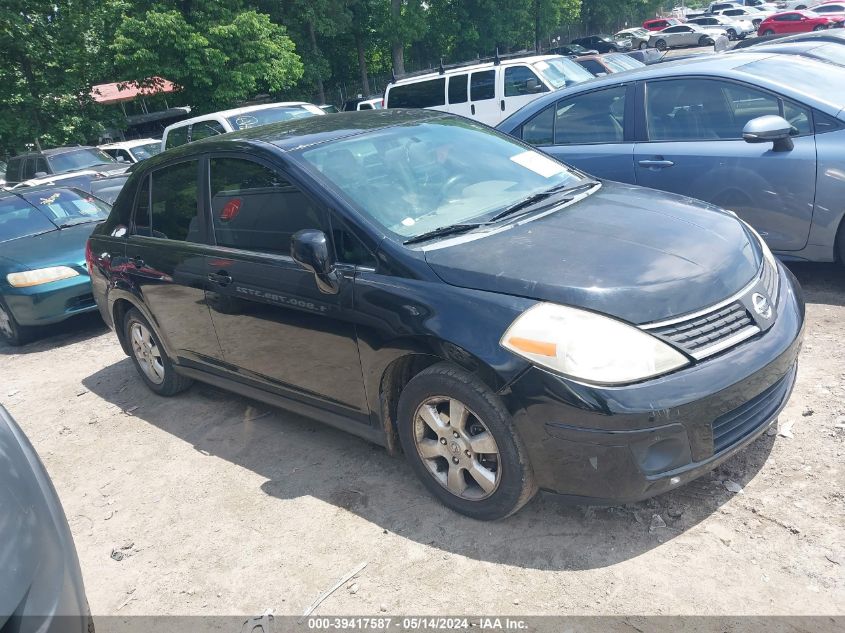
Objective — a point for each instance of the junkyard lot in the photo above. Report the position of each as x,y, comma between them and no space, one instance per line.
216,504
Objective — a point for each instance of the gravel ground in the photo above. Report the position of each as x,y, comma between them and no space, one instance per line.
216,504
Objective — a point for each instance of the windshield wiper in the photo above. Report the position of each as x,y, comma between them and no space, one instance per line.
78,221
539,197
443,230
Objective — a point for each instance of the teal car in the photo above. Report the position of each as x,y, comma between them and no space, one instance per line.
43,276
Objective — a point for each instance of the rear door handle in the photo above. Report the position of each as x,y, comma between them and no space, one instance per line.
472,108
503,105
221,279
656,164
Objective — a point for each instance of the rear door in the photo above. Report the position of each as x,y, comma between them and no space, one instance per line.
457,91
167,260
483,104
695,148
274,324
591,130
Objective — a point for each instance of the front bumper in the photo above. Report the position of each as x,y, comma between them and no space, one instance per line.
51,302
624,444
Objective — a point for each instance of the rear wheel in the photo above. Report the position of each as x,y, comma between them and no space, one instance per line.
149,357
12,332
660,45
460,440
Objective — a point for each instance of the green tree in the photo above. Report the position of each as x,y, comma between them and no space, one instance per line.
218,52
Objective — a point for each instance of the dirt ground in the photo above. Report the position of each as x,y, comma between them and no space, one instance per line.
216,504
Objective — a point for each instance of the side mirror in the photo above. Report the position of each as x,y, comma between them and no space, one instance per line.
769,129
40,174
310,249
120,159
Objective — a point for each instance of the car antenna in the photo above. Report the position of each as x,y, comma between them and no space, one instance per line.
496,60
441,70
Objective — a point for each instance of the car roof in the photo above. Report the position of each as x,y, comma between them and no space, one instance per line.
129,144
528,59
299,133
235,112
715,65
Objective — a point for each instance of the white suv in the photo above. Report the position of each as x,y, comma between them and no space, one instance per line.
485,91
200,127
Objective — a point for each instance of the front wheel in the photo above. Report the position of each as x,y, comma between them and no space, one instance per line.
731,35
12,332
149,357
643,46
660,45
460,441
768,32
820,27
705,41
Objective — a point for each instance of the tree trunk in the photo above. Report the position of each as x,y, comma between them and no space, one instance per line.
537,25
316,53
362,65
397,48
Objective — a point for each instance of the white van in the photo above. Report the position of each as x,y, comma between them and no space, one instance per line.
200,127
485,91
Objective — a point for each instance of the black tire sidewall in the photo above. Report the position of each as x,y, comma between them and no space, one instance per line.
173,383
516,486
20,334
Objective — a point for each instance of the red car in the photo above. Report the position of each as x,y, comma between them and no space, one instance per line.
795,22
658,24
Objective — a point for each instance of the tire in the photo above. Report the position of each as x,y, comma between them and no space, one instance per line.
643,46
768,32
149,357
840,244
12,332
731,35
819,28
660,45
483,447
704,41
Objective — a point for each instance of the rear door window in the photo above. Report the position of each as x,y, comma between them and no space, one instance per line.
594,117
482,85
254,208
422,94
458,89
28,169
167,204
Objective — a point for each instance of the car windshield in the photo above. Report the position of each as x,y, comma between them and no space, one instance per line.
617,62
67,207
414,178
561,72
825,82
275,114
82,158
18,218
143,152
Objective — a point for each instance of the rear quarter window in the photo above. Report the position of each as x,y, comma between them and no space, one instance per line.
422,94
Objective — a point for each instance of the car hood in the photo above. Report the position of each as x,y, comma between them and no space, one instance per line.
633,253
62,247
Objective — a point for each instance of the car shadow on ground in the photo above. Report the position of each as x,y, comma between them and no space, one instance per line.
822,283
73,330
300,457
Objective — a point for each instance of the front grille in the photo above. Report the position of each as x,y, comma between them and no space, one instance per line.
734,426
708,330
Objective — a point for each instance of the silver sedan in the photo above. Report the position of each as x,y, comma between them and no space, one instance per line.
683,35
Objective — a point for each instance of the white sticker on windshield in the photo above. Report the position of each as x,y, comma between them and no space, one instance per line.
409,222
538,163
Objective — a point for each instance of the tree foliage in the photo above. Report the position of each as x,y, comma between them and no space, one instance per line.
222,52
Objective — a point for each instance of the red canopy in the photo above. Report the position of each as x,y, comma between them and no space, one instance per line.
128,90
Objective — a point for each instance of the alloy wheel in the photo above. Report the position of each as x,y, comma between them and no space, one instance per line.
147,352
459,451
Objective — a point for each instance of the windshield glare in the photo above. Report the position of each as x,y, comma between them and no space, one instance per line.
268,115
19,219
82,158
143,152
66,207
411,179
561,72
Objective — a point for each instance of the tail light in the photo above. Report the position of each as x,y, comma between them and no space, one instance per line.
89,256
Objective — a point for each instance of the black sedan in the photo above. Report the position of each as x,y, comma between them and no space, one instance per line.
603,43
434,286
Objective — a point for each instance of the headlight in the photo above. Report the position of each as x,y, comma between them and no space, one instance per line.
40,276
589,346
767,252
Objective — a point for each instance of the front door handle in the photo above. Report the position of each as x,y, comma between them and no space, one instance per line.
221,279
656,164
472,108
